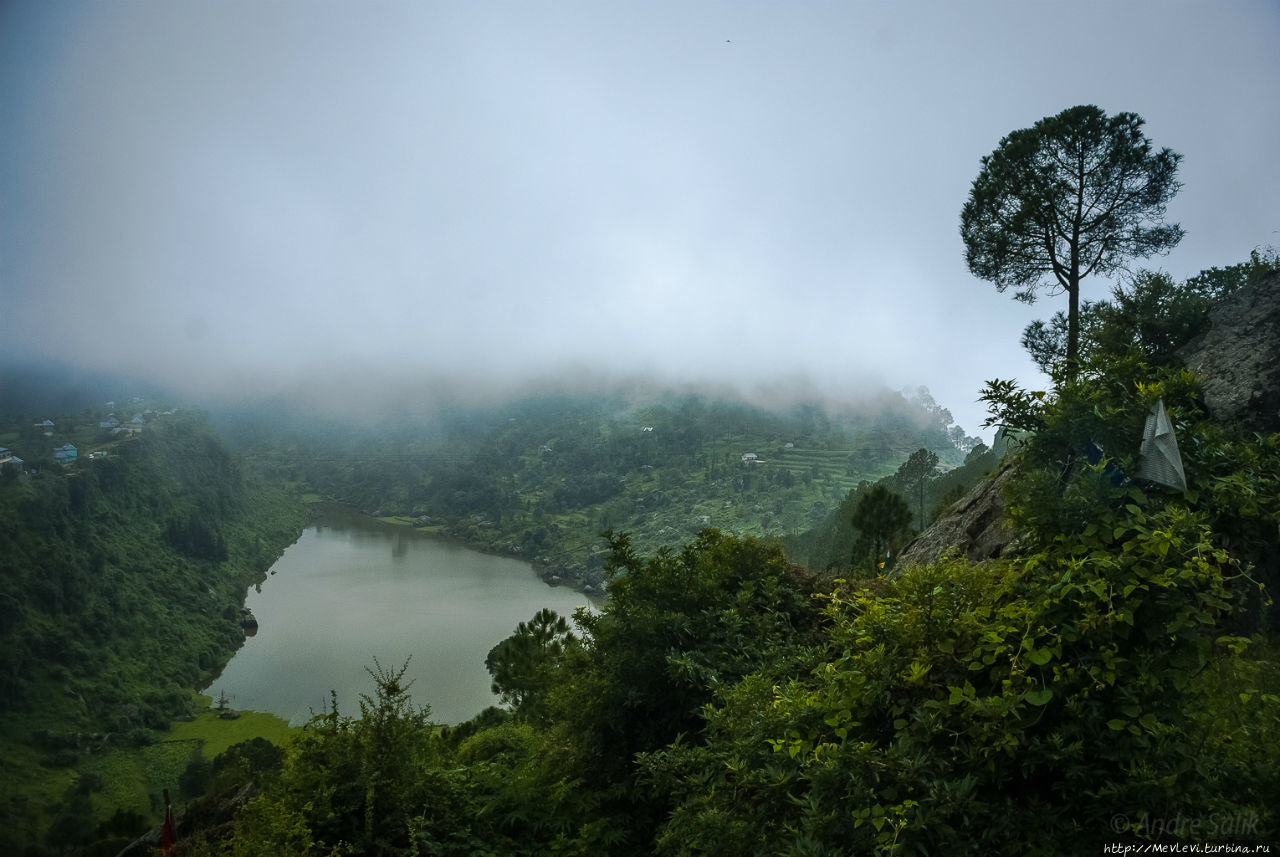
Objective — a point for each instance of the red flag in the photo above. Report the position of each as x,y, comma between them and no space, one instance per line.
168,838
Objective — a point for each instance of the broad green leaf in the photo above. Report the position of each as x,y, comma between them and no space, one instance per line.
1039,657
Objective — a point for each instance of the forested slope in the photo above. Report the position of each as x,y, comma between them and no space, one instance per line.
541,478
121,582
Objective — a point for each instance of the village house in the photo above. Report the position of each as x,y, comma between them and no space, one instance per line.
9,461
65,454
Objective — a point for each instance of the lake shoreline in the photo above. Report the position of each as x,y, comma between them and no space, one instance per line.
355,591
342,511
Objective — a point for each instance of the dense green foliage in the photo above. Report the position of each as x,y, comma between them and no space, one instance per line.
542,478
1024,706
1077,194
121,579
1150,314
678,626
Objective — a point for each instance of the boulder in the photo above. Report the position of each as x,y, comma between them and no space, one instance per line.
975,527
1238,357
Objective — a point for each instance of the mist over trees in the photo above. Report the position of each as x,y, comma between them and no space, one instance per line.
541,477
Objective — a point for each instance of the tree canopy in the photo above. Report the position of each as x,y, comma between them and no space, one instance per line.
521,664
880,517
1077,194
918,469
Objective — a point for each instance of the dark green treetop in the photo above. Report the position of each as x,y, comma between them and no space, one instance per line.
918,469
522,664
880,517
1076,194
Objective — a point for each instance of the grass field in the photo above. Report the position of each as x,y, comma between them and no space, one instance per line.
216,735
135,779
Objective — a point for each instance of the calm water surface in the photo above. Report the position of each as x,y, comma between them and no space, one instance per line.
353,590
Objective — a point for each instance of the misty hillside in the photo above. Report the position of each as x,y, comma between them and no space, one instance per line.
542,478
122,574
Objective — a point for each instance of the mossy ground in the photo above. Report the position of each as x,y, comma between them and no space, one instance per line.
135,779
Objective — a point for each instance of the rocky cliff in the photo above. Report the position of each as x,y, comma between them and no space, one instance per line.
1238,358
975,527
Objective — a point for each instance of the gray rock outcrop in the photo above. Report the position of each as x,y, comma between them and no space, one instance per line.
1238,357
975,527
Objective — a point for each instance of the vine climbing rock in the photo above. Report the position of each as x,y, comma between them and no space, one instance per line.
975,527
1238,357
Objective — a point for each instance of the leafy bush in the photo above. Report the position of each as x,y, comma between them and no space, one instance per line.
378,784
1007,708
1113,676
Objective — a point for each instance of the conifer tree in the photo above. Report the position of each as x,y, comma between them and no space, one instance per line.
1077,194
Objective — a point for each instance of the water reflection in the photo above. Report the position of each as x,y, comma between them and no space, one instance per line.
339,598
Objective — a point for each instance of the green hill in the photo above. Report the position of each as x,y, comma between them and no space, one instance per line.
121,582
544,477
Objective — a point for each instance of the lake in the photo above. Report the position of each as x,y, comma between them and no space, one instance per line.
353,589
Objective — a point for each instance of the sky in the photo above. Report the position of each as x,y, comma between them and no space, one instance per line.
242,199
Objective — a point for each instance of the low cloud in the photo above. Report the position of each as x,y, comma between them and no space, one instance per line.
254,200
